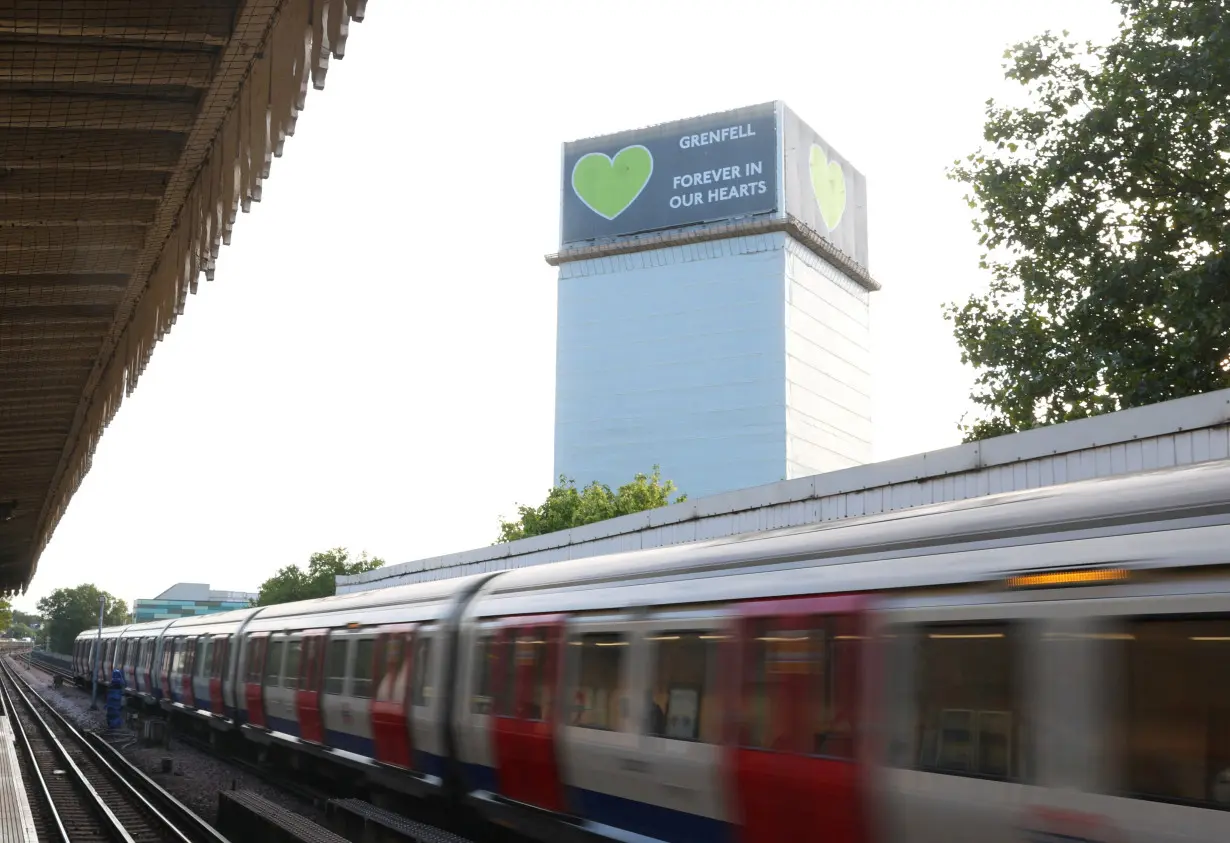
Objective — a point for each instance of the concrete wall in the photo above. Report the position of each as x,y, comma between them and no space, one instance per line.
673,356
1181,432
730,363
828,366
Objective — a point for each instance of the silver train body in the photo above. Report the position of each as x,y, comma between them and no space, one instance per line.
1042,665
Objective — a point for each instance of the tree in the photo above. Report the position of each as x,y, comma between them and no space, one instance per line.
1103,206
67,611
33,621
6,613
566,506
20,630
293,583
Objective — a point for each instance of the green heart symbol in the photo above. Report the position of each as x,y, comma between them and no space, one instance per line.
829,183
609,185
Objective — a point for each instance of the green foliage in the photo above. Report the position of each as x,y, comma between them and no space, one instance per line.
293,583
6,613
27,618
67,611
20,630
566,506
1103,206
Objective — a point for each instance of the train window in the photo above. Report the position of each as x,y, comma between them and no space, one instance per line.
506,689
252,667
598,696
204,649
834,691
309,664
421,688
484,665
335,666
222,651
364,653
273,662
786,686
1176,712
532,653
290,675
391,676
683,702
966,699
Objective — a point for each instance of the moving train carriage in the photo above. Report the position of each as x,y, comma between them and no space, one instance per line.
193,660
337,672
84,651
933,692
1038,665
628,717
141,676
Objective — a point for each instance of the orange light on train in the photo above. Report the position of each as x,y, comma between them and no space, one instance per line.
1061,578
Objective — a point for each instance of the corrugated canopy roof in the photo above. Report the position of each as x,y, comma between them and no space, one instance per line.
131,132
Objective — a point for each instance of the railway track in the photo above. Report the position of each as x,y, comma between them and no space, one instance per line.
48,666
81,789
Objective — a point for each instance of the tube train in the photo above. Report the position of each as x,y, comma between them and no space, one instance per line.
1042,665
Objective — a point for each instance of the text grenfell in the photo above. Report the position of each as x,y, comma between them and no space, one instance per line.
717,136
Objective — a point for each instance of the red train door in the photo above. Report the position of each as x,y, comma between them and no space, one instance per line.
217,668
797,765
391,699
526,683
254,675
307,697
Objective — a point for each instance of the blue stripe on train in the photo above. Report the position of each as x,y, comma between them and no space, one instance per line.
429,763
351,743
481,777
280,724
627,814
649,820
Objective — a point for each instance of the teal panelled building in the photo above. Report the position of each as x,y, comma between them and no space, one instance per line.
185,600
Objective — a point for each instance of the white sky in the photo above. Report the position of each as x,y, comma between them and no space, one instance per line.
373,366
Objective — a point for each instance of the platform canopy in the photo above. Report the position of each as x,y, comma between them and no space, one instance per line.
131,133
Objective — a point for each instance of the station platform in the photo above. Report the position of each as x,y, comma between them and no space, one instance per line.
16,819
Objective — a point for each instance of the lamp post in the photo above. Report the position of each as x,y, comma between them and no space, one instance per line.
102,602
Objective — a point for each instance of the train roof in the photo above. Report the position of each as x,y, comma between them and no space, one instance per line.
138,629
420,601
1129,515
886,551
362,607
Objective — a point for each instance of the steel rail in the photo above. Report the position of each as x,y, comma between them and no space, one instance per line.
121,772
83,781
19,729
